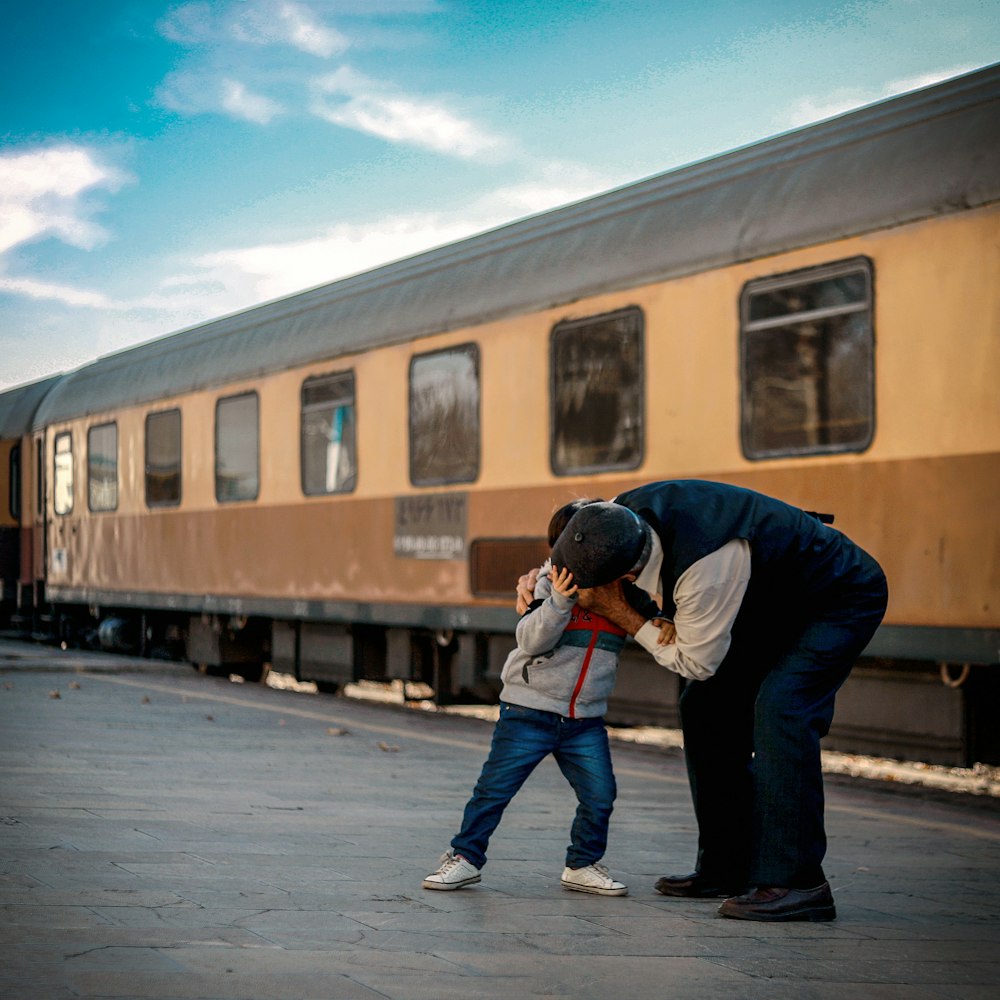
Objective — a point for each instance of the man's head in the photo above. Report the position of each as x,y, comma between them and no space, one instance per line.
601,543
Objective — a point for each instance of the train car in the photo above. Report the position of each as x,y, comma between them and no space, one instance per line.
22,504
346,483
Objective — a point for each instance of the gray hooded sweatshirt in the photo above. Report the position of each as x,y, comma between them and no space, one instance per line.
566,657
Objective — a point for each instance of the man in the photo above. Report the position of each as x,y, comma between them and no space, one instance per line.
771,608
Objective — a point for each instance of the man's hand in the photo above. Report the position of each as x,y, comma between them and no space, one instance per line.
604,599
609,600
526,590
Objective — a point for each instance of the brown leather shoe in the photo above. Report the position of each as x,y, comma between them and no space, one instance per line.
693,886
782,904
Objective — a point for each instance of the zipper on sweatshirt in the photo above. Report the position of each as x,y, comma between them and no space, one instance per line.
582,676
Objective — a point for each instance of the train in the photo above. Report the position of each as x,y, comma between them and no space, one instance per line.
345,484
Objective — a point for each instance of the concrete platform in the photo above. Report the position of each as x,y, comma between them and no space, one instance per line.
168,835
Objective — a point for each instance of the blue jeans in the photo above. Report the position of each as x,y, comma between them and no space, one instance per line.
522,739
752,734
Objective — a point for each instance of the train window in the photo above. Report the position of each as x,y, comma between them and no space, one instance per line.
444,416
14,482
62,473
808,362
102,467
329,462
163,458
596,393
237,474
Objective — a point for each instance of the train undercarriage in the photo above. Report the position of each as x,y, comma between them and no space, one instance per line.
939,712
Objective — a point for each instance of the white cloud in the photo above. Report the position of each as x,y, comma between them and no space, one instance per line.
347,98
272,270
188,24
241,103
253,22
553,184
220,283
229,280
813,109
242,276
65,294
197,93
292,24
43,193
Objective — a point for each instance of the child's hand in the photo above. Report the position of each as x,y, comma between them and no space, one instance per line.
562,582
668,633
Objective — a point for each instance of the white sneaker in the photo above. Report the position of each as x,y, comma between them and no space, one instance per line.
453,872
593,878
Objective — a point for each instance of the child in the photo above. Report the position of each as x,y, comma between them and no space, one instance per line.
556,684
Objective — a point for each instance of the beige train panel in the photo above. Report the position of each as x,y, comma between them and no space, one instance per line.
937,309
937,298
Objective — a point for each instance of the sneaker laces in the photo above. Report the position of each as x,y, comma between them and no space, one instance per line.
448,862
595,869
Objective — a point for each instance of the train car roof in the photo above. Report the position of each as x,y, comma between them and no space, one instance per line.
926,153
18,406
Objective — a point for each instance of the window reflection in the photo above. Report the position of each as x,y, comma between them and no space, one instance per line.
163,458
236,448
597,393
808,362
62,473
102,467
329,463
444,416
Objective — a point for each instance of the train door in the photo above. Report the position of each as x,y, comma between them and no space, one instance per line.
36,541
10,517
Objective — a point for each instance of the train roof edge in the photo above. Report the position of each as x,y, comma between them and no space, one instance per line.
19,404
925,153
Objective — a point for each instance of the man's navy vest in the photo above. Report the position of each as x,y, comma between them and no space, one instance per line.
794,556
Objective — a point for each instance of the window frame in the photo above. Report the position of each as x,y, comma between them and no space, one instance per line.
151,415
567,326
314,380
472,349
250,393
789,279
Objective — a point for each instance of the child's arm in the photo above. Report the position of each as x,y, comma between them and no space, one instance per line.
540,629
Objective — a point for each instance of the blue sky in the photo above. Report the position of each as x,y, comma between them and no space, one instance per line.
162,164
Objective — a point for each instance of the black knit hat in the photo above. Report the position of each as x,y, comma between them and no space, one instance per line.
601,543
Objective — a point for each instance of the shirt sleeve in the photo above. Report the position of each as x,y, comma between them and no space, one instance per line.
708,596
541,627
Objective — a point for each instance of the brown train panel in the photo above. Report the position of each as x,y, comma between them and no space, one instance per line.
930,522
927,528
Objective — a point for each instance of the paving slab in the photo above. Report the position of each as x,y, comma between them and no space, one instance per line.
169,835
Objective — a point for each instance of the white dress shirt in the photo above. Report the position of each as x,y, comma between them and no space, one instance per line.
708,596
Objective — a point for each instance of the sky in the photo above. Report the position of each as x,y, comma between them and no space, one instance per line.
163,164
